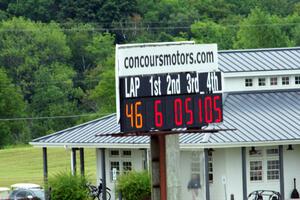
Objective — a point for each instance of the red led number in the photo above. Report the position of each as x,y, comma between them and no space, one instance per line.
200,110
208,109
217,109
178,112
189,111
158,116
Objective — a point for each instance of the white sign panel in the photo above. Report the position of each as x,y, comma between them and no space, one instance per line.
167,58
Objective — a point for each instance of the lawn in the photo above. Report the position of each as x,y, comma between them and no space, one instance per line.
25,164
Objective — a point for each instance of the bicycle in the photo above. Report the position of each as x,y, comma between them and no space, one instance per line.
97,192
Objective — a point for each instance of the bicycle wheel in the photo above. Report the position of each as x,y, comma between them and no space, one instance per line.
108,196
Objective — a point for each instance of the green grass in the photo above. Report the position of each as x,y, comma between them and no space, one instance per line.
25,164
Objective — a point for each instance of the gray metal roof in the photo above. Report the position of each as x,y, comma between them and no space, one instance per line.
86,134
259,60
258,117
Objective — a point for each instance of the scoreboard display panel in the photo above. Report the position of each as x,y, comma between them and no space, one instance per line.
166,101
166,96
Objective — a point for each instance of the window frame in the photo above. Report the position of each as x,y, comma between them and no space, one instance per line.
285,80
262,81
265,156
121,159
256,170
248,82
297,80
273,81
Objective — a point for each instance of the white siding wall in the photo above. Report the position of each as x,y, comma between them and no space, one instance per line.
226,164
291,169
234,173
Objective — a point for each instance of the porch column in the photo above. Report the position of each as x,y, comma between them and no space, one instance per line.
73,161
206,174
81,152
103,167
45,165
281,169
244,173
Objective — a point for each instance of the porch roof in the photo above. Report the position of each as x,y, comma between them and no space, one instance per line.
260,118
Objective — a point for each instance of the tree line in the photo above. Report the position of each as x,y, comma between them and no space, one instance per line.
57,57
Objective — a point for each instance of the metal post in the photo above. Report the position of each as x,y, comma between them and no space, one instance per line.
158,167
155,172
207,193
244,173
103,167
281,171
45,165
162,167
73,161
81,152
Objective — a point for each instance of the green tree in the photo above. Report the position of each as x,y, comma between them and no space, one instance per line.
211,32
102,97
261,30
36,56
11,106
37,10
54,96
27,46
104,12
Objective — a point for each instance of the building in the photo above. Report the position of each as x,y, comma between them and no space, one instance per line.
261,101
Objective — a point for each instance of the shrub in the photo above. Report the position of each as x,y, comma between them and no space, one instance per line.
65,186
134,185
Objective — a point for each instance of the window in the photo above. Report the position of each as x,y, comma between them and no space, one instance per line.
248,82
195,166
273,169
264,164
210,167
272,152
255,152
261,81
297,80
114,153
114,164
273,81
127,153
121,161
256,170
285,80
272,164
127,166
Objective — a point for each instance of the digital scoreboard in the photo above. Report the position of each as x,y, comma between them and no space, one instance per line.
155,100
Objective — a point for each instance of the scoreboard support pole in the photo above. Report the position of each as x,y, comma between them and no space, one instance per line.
164,167
173,167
